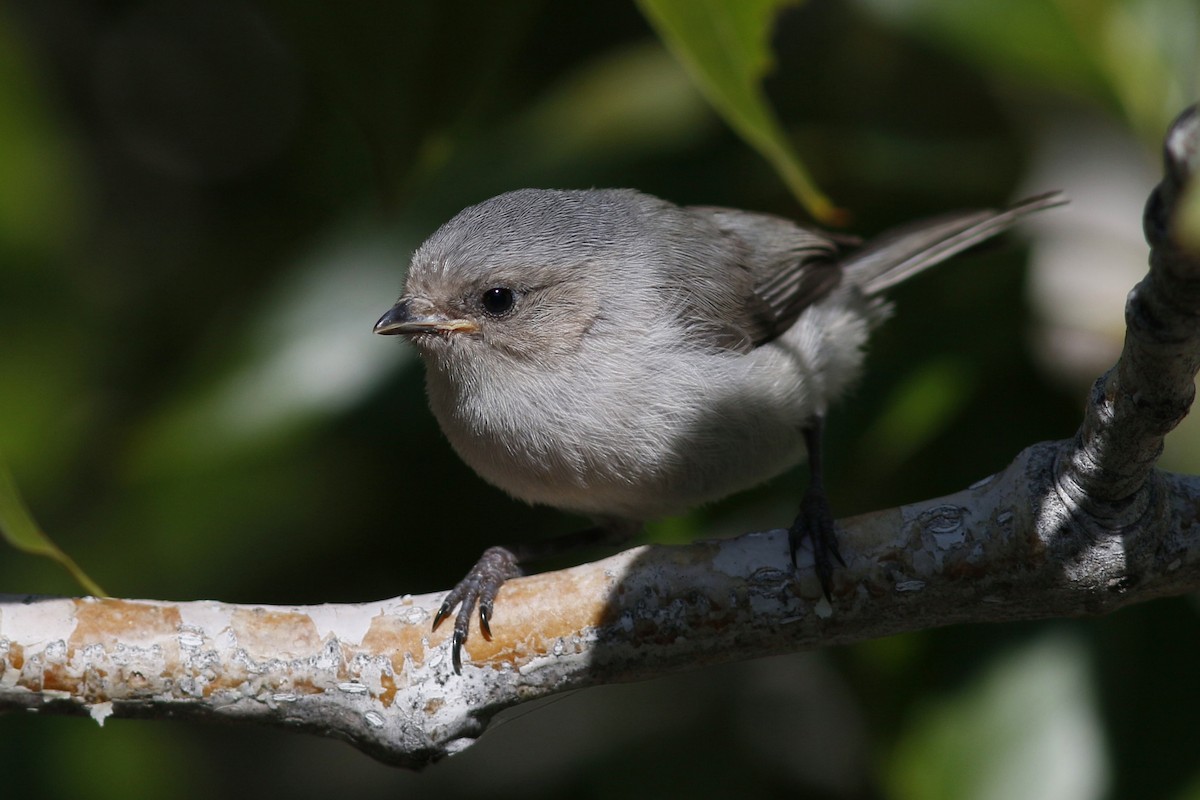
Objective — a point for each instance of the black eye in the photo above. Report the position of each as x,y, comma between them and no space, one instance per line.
498,300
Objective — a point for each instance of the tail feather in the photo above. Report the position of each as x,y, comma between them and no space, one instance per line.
900,253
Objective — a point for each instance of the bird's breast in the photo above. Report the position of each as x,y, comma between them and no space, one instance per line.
651,436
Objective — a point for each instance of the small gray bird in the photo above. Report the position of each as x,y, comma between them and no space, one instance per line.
613,354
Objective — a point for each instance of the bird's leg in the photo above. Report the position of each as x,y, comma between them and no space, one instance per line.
815,520
499,564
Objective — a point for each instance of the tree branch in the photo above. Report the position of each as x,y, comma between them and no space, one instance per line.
1069,528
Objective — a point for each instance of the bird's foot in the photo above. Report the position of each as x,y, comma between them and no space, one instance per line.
479,587
815,522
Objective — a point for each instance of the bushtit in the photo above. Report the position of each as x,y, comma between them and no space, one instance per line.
612,354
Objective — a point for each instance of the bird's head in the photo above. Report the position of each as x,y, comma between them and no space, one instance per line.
518,279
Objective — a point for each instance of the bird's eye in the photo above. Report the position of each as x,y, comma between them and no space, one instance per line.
498,300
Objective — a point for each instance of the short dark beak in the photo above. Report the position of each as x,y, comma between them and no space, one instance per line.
402,318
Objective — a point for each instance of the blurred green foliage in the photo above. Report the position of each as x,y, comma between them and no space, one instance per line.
205,204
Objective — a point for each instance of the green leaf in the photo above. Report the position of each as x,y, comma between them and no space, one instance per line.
19,529
725,46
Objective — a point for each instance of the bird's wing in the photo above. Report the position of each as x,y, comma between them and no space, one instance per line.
790,267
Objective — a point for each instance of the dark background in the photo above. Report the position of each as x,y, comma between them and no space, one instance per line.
204,206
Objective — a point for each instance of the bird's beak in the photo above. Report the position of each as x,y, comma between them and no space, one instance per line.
403,318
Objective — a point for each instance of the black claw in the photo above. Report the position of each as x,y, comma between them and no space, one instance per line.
444,612
815,523
479,587
456,652
826,579
815,520
485,616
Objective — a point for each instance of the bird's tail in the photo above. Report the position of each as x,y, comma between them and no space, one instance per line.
902,252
